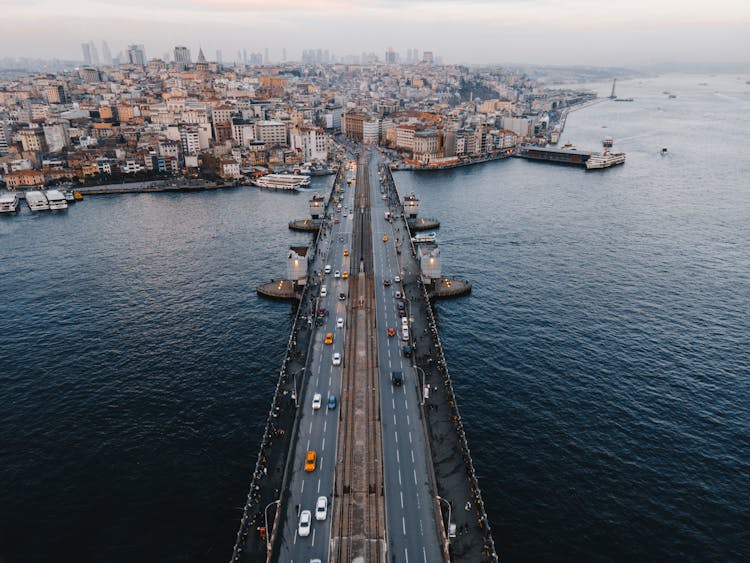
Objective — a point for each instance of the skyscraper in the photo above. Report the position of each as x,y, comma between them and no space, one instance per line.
106,54
182,54
94,54
86,48
218,56
137,55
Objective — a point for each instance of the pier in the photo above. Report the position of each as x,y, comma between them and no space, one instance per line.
364,419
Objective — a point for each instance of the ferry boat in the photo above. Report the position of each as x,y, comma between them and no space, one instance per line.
424,237
56,200
37,201
283,182
69,197
605,159
8,203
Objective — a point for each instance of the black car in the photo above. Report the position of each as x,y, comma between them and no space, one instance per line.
397,378
406,349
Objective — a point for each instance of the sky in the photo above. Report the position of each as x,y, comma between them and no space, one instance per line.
554,32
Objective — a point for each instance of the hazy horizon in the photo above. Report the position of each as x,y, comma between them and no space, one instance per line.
538,32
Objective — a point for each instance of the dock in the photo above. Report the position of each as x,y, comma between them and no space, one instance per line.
151,187
305,225
280,289
423,224
449,287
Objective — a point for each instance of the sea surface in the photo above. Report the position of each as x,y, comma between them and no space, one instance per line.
602,361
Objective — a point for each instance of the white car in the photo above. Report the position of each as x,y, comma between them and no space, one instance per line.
321,508
337,359
397,279
336,274
305,521
323,291
317,401
339,323
327,269
397,295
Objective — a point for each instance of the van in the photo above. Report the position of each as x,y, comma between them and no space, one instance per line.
404,323
397,378
323,291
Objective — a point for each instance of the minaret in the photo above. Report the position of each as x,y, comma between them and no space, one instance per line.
201,65
612,96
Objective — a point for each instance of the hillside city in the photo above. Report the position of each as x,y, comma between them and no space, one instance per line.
140,119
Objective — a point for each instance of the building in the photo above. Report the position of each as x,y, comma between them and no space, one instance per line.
273,133
243,131
32,140
312,142
371,131
425,145
24,179
55,94
137,55
6,138
405,137
190,139
229,169
353,125
89,74
182,54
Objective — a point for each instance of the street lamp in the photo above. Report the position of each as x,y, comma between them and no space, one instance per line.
447,531
421,388
265,516
294,388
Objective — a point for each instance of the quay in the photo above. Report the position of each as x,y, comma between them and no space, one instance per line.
423,224
305,225
151,187
364,457
554,155
453,163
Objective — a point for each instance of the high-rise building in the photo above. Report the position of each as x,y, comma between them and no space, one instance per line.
427,57
265,57
106,54
137,55
391,57
182,54
86,48
56,94
94,54
218,56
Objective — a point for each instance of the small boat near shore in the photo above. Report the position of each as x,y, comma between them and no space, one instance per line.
37,201
9,202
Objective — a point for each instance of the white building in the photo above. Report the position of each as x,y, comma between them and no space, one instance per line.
271,132
312,142
371,131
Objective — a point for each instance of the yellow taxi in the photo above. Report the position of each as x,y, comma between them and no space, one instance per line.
310,461
346,252
329,338
345,274
385,239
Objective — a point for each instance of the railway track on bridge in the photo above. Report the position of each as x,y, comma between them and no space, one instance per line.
358,528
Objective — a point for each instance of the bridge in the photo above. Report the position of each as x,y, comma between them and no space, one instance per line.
367,441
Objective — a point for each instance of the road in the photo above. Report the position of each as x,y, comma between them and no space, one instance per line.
410,502
318,429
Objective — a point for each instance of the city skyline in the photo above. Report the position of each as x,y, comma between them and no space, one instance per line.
512,31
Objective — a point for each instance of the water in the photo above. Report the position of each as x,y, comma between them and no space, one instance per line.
608,336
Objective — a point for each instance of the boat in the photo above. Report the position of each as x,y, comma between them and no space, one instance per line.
664,151
69,197
425,237
624,99
283,182
56,200
672,96
78,196
8,203
37,201
606,158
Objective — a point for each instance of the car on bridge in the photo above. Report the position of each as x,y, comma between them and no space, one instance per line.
336,359
386,282
329,338
305,522
317,401
345,275
340,323
332,402
346,252
321,508
391,332
385,238
397,279
336,274
310,461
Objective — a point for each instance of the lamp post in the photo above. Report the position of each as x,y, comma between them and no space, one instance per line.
421,388
447,530
294,388
265,517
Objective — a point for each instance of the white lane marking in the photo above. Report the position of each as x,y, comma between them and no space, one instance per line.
302,489
398,457
313,538
323,446
403,527
394,419
310,427
399,477
318,485
421,529
393,403
402,498
410,436
419,505
424,554
406,553
407,420
329,381
308,445
396,434
325,423
415,476
295,537
412,456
